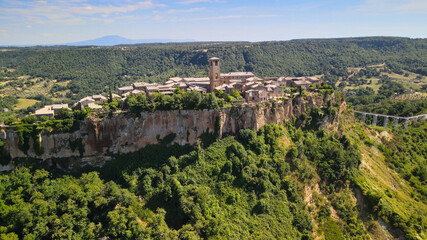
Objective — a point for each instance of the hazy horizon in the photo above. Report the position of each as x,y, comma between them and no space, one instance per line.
59,22
155,41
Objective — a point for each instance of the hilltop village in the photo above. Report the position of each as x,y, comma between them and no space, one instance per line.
252,88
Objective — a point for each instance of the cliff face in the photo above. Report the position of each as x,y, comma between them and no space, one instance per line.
95,140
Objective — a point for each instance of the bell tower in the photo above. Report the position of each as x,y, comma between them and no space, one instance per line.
214,73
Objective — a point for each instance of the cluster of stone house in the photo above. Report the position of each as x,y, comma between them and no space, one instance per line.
253,88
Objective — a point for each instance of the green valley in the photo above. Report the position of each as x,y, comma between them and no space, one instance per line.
197,165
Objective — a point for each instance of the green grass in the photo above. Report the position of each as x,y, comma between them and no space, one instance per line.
376,178
24,103
407,82
374,85
331,230
382,65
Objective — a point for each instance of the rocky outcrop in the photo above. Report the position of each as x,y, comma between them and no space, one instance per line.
124,133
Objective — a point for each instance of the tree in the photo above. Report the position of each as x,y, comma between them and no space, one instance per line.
234,93
222,95
110,95
191,99
209,101
65,114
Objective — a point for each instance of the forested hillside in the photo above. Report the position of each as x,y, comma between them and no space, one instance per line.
291,181
91,70
323,175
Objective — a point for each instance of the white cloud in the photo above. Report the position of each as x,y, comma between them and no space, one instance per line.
104,20
391,7
70,12
193,1
109,9
72,21
418,5
229,17
185,10
158,17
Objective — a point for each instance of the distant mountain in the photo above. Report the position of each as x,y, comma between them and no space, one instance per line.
117,40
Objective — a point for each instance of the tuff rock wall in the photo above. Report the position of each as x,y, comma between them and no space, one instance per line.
124,133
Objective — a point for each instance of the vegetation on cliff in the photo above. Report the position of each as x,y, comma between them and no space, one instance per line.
294,182
406,153
30,127
345,180
177,101
236,188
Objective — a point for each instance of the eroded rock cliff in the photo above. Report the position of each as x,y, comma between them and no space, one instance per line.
124,133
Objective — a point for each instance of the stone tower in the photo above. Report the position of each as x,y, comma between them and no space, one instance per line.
214,73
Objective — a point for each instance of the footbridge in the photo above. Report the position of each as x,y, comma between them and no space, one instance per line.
413,119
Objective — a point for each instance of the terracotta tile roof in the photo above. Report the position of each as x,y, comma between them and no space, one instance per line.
237,74
126,88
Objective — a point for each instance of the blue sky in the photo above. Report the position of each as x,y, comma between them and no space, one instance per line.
62,21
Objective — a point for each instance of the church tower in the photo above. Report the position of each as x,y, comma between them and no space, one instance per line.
214,73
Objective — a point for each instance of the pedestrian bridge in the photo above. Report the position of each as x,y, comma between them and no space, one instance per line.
413,119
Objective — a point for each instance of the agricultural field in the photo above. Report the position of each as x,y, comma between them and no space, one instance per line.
408,79
24,103
28,87
372,83
22,94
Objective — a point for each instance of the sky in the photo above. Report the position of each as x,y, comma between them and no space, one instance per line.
64,21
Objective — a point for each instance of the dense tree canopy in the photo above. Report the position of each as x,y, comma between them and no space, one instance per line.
249,186
94,70
237,188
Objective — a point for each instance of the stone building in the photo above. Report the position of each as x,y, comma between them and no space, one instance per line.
125,89
99,99
94,102
50,110
304,84
258,89
216,78
214,74
242,76
256,96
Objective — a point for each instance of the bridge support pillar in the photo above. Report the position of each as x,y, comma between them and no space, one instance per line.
374,121
413,119
363,117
